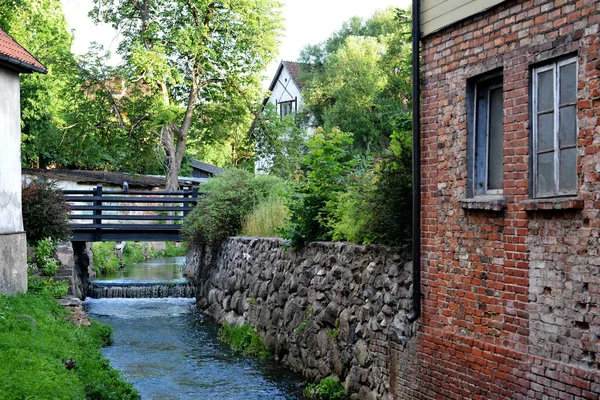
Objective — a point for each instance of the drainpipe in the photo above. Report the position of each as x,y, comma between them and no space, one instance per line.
416,161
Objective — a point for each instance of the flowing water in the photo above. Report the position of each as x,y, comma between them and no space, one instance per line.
168,350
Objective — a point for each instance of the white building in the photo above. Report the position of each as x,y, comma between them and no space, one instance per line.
14,60
286,94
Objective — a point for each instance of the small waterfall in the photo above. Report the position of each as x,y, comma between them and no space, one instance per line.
133,290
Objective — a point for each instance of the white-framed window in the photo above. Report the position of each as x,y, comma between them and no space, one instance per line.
487,141
554,140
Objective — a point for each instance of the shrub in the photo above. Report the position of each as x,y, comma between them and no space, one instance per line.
318,186
229,199
46,265
45,211
329,388
245,339
268,219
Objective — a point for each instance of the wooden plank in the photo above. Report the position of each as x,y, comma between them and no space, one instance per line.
123,199
130,227
119,236
174,208
121,217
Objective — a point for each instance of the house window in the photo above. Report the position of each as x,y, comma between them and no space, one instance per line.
486,138
286,107
555,129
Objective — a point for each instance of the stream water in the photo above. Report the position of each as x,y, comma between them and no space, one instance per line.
168,350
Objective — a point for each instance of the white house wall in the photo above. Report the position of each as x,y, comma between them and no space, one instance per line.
285,89
13,250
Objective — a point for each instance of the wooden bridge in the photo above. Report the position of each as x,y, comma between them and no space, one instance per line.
98,215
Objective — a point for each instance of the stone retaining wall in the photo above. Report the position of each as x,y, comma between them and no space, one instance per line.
329,309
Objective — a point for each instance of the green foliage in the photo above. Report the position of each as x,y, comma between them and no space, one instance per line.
304,323
360,78
229,199
278,141
105,259
318,185
172,250
44,211
36,340
245,339
46,265
268,219
191,69
329,388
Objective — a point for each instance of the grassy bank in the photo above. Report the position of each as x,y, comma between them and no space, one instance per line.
44,355
106,260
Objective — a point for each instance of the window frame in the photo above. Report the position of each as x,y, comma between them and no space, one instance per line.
555,67
292,107
475,162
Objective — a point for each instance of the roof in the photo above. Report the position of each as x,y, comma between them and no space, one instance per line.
106,177
17,57
294,70
211,169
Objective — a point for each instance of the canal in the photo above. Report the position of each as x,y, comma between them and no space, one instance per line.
168,350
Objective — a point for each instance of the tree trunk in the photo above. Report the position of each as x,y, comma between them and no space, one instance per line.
173,155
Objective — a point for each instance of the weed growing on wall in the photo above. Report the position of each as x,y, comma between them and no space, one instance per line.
245,339
41,271
45,212
44,356
329,388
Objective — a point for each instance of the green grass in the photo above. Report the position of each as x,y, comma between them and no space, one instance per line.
245,339
267,219
36,343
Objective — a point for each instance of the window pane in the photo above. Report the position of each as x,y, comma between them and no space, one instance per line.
545,132
568,170
495,150
568,126
545,172
568,84
545,91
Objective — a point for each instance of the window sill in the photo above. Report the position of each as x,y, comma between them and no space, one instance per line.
488,203
553,203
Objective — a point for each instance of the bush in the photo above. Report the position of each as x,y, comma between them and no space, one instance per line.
45,212
268,219
245,339
318,187
329,388
46,265
229,199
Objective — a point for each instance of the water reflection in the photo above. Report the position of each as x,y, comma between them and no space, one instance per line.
158,270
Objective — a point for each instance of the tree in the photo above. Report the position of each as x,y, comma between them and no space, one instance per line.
191,68
40,26
359,79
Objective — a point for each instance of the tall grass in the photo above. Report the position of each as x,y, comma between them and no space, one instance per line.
267,219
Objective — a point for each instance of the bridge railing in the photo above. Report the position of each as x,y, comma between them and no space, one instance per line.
101,215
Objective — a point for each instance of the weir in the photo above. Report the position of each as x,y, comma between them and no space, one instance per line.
102,290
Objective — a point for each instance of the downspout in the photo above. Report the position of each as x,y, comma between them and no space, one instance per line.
416,160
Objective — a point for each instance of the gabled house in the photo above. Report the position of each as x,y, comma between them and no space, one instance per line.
510,194
286,95
14,60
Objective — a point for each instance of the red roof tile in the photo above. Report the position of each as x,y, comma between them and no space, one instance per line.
13,53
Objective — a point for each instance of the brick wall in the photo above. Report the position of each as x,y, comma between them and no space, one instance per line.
511,291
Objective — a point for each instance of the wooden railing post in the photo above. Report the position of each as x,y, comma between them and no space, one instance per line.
186,195
98,212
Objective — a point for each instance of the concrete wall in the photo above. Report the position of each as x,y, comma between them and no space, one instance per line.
331,308
511,288
13,250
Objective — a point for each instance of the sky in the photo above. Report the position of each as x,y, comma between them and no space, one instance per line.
305,22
